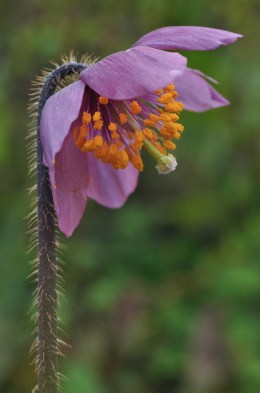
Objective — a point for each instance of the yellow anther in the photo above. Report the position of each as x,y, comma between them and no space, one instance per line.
81,136
98,124
118,158
97,116
138,140
169,125
123,118
176,135
103,100
154,117
86,118
165,98
137,162
124,155
135,108
134,149
178,127
115,135
148,133
98,140
122,159
169,145
160,148
89,145
149,122
174,117
83,131
112,127
139,136
137,145
112,149
169,88
174,107
165,117
101,152
166,133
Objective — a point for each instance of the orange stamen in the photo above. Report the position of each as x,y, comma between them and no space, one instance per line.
81,138
174,107
135,108
149,122
86,118
148,133
89,146
98,140
154,117
169,145
178,127
123,118
103,100
97,116
101,152
98,124
112,127
177,135
165,98
170,88
165,117
137,162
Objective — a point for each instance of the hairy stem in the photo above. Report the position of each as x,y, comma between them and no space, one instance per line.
47,357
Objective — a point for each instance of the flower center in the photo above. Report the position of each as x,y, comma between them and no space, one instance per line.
116,131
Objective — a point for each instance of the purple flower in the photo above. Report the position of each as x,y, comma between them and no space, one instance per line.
92,131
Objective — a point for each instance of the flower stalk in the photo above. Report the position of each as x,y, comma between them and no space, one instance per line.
47,331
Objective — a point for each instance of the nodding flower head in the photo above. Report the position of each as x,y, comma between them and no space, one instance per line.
93,131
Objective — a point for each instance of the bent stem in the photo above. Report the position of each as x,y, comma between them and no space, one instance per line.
47,334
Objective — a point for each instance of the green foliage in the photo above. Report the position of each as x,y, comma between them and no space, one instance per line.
137,279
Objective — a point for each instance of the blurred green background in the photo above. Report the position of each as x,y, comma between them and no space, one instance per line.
162,295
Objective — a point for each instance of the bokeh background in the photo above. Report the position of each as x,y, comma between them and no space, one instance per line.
162,295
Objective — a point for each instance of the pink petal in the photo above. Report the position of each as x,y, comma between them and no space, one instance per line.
133,73
187,38
108,186
69,181
59,112
77,176
196,93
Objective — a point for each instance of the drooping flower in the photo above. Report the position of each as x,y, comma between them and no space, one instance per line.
93,130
